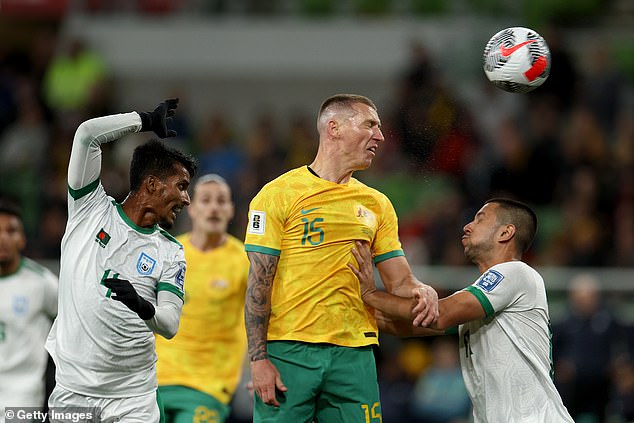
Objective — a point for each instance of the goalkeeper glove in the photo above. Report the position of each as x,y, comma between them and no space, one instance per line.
124,292
158,119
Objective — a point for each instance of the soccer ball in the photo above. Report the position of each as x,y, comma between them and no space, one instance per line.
517,60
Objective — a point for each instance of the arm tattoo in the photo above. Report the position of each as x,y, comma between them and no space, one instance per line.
257,303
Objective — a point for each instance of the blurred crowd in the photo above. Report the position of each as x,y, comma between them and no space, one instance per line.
567,149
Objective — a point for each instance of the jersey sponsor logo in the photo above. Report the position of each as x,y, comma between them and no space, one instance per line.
179,279
302,211
145,264
20,305
257,222
102,238
490,280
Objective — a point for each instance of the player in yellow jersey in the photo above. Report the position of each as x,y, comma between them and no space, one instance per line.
199,369
310,336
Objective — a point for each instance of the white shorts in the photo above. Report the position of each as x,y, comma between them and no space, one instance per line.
141,409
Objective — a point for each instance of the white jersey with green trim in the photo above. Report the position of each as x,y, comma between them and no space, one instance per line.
28,304
506,357
100,347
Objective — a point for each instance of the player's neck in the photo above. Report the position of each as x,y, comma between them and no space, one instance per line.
330,170
139,213
486,263
204,241
9,267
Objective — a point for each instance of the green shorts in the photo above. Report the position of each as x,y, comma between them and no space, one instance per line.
326,383
187,405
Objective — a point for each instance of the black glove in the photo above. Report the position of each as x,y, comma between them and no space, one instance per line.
124,292
158,119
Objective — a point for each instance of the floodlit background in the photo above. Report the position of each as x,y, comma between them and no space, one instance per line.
251,75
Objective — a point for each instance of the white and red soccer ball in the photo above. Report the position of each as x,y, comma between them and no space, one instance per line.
517,60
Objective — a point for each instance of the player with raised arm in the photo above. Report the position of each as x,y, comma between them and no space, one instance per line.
502,318
28,305
121,273
310,336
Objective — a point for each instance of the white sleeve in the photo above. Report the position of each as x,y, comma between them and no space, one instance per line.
498,288
167,314
84,166
50,289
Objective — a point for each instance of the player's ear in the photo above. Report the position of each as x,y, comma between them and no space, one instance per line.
22,241
151,184
507,232
232,213
333,128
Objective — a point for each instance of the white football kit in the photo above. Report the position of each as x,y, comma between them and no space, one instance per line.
506,356
28,304
100,347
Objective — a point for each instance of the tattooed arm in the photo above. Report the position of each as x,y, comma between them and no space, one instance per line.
257,310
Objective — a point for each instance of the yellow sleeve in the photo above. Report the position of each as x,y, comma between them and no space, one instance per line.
386,242
267,213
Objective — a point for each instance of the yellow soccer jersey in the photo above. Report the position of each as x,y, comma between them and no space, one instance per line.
208,351
311,224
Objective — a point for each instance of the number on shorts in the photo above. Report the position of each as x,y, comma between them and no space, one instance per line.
203,414
371,413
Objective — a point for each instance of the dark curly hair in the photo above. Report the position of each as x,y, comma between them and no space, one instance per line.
155,158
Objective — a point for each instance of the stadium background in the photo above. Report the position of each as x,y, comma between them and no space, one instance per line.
251,75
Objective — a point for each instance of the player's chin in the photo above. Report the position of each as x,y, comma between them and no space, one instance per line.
167,222
365,164
217,228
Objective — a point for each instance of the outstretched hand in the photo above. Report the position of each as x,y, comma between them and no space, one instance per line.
125,292
158,119
426,309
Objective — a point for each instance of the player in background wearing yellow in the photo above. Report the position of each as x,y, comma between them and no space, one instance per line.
28,305
502,318
310,336
199,369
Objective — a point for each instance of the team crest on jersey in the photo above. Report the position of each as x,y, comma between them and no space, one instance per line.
362,212
257,222
364,215
102,238
145,264
490,280
20,305
179,280
367,218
